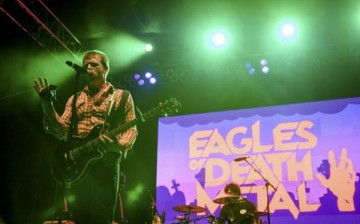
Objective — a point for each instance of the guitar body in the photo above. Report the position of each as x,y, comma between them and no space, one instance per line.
73,160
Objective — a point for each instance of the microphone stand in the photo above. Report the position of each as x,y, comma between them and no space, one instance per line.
154,208
66,213
267,184
123,220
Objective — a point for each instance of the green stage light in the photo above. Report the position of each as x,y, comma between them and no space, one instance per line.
148,47
219,39
288,30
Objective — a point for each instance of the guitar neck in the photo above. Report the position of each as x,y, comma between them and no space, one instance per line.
113,133
119,130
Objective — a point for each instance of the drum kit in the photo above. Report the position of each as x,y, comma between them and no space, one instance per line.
192,209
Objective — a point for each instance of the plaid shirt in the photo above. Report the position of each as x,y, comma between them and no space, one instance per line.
90,112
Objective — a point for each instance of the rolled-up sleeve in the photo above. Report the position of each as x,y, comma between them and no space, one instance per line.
58,126
127,139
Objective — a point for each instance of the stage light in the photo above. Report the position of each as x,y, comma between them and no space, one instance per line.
145,78
263,62
265,70
250,68
152,80
219,39
264,66
248,65
148,47
251,71
141,82
137,76
148,75
259,67
288,30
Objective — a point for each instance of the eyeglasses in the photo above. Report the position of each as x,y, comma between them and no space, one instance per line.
92,64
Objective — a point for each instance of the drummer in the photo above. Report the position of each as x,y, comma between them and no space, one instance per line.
238,210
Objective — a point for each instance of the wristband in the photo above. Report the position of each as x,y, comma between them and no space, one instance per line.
49,93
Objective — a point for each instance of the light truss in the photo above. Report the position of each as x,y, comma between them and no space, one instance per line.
37,20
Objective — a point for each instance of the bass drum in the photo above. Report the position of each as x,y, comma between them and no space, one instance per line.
242,212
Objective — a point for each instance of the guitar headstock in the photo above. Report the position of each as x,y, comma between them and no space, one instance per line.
166,108
169,107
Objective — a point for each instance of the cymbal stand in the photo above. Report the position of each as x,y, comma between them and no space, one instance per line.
154,210
267,184
185,219
199,218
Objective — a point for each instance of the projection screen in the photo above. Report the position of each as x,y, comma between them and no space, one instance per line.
302,161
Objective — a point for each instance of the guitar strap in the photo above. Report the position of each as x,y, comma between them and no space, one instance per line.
117,115
109,109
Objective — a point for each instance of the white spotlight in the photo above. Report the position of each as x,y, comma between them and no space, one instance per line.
152,80
288,30
148,47
265,70
219,39
148,75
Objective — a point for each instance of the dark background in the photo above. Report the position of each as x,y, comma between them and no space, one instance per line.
324,67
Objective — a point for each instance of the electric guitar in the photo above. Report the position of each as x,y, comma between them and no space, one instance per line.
73,159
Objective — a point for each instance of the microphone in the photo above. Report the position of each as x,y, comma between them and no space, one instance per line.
241,158
77,68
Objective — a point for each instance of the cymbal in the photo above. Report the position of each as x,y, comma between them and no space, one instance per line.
225,200
189,209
